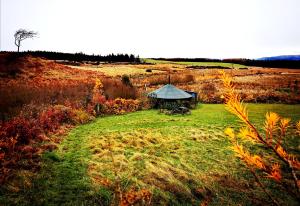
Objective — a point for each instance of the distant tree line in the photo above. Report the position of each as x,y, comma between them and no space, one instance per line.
294,64
82,57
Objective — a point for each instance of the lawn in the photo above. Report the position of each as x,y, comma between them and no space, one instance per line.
210,64
181,160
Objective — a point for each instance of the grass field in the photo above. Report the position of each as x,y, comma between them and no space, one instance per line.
118,70
180,159
230,65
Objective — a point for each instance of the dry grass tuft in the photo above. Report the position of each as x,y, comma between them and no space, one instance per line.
145,158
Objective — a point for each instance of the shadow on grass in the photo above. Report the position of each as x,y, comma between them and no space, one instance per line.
62,180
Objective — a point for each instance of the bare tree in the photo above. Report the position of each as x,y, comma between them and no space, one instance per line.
22,34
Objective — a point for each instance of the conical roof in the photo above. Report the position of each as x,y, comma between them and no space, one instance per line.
169,92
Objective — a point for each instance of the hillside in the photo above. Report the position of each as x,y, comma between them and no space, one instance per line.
27,67
38,82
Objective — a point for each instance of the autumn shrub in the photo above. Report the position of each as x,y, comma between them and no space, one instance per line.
189,78
53,117
126,80
20,137
114,88
283,167
80,116
15,137
19,128
144,103
121,106
9,64
158,79
33,110
102,106
98,99
18,94
208,92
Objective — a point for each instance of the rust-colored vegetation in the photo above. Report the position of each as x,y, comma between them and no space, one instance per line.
39,96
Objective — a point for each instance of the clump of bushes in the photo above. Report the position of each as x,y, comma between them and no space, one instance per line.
100,105
121,106
20,137
126,80
123,88
81,117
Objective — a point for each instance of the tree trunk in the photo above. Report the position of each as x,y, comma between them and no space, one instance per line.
18,45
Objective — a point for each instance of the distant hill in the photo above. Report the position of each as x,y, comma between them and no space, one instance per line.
281,58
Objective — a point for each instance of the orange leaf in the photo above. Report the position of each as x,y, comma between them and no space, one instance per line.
275,173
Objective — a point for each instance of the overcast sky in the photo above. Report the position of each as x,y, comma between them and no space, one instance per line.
156,28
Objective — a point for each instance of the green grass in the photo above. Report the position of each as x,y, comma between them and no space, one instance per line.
178,158
230,65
